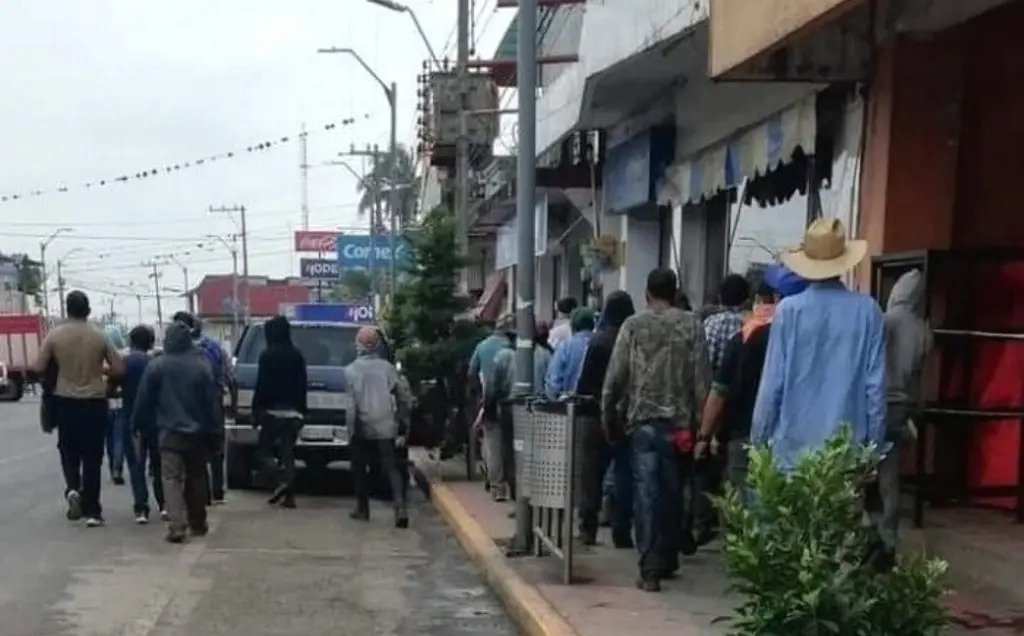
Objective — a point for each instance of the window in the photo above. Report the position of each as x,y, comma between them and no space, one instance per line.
321,345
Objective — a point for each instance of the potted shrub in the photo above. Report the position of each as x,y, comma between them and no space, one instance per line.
798,558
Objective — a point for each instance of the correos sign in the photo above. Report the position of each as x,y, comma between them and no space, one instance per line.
358,252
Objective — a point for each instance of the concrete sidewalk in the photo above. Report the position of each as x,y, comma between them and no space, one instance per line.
605,600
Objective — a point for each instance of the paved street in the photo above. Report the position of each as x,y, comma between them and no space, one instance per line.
308,571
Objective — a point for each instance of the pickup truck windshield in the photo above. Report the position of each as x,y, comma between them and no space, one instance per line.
321,345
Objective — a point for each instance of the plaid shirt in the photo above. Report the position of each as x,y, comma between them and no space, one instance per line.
719,329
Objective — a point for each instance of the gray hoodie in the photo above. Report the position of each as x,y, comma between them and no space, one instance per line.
908,339
177,390
381,398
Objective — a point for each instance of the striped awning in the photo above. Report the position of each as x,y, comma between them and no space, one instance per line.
749,153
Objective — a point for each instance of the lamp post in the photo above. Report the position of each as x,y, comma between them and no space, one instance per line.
60,278
401,8
391,92
42,259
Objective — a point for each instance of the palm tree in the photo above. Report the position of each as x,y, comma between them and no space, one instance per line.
374,189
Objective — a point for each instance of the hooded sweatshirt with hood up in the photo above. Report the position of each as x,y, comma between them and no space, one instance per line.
618,307
281,373
908,339
177,390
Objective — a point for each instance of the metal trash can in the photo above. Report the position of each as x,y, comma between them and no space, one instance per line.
522,425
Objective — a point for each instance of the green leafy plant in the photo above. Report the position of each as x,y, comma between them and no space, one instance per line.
798,555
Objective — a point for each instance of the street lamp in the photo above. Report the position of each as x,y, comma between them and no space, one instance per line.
60,277
401,8
42,259
391,92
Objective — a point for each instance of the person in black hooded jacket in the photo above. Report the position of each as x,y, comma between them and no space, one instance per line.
600,450
279,405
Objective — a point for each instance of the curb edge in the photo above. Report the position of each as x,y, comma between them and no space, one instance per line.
528,608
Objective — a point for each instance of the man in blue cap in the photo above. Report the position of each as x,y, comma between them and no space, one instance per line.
729,410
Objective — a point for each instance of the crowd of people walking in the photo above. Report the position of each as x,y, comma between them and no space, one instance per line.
681,396
162,416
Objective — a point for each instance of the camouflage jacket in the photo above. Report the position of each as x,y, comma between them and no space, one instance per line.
659,368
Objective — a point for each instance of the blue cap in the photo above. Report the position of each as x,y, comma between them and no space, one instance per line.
784,281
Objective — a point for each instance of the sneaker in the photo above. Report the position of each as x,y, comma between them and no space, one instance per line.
200,531
118,479
74,502
142,518
94,522
359,515
164,515
218,502
402,521
175,536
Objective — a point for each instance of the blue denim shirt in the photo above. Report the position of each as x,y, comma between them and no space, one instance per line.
825,368
566,364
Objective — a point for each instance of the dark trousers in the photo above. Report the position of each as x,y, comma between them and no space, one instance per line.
277,439
659,501
364,451
708,480
215,475
116,436
142,453
81,430
183,460
598,455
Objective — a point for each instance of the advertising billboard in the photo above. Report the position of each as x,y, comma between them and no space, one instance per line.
319,268
329,312
355,250
320,241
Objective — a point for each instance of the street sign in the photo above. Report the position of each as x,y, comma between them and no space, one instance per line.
320,268
331,312
354,251
320,241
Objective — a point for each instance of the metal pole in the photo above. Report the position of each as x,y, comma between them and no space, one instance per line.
235,331
156,289
393,195
138,299
245,263
46,287
188,290
526,76
60,290
462,143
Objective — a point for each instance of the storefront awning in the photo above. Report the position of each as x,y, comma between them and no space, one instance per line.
749,153
491,301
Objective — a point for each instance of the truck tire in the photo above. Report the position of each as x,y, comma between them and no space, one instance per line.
239,460
15,389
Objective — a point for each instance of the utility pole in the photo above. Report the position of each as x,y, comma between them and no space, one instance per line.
462,142
113,315
304,167
156,290
42,259
138,299
184,272
60,290
526,194
245,253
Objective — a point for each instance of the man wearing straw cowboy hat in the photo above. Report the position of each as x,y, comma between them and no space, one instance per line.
825,365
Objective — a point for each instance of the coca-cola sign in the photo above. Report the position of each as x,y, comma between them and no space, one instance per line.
321,241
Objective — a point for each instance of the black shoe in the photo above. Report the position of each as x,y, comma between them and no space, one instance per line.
118,479
622,541
200,531
359,514
288,501
588,538
279,493
402,521
648,584
687,544
175,536
706,536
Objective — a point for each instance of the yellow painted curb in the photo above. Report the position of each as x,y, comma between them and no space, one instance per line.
524,602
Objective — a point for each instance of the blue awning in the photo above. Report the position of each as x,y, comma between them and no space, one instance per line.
749,153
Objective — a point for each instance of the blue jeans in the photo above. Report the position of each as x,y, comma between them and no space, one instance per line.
658,507
148,456
116,432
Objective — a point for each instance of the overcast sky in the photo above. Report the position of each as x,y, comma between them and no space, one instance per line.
94,89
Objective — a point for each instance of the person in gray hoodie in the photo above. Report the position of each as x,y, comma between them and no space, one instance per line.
179,394
908,343
382,405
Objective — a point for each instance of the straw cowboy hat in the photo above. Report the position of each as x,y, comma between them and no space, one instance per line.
825,253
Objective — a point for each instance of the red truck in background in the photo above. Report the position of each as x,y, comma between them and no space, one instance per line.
20,339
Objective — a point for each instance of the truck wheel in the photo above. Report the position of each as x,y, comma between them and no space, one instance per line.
239,460
14,391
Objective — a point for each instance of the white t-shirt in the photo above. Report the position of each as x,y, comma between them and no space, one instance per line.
561,332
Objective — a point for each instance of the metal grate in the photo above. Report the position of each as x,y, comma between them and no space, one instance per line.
522,417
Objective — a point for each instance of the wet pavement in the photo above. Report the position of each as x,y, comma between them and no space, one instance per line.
260,571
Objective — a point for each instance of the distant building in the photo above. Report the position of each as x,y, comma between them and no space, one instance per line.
211,300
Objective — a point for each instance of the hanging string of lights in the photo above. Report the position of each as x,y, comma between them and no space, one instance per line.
149,173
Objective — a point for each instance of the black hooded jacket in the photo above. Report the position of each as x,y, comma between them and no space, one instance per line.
281,374
617,308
